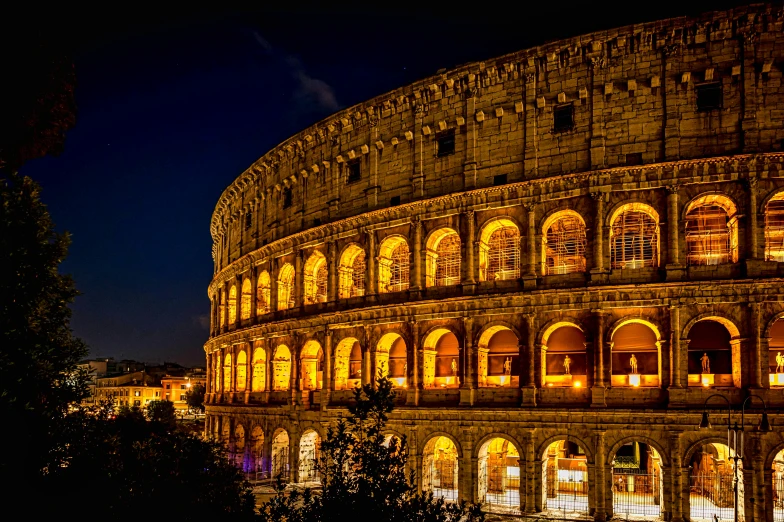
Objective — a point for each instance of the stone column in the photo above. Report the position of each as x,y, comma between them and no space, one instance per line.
675,270
268,366
468,383
416,360
225,307
469,167
598,272
294,376
759,365
326,388
679,363
600,378
274,272
254,284
238,302
750,134
371,262
599,484
529,279
210,377
367,353
754,258
470,271
416,226
674,494
529,504
332,272
527,375
299,278
466,466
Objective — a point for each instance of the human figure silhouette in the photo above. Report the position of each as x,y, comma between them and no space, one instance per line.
779,363
508,366
633,363
705,360
454,366
566,363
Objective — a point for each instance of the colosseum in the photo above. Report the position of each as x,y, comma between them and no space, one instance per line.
568,259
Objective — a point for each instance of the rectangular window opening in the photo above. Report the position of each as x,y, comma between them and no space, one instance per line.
499,180
446,143
708,96
248,220
394,201
286,197
353,171
635,158
563,117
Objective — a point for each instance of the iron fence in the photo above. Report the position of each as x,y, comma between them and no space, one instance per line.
565,491
636,494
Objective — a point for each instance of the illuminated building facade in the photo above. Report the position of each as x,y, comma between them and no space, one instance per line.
557,255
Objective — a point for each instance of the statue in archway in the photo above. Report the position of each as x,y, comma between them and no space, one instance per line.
633,363
566,363
508,366
705,360
779,363
454,366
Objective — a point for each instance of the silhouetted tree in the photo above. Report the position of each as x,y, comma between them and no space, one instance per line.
195,397
364,476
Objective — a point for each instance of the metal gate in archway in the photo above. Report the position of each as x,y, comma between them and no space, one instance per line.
565,487
712,497
280,463
778,496
441,477
637,494
499,486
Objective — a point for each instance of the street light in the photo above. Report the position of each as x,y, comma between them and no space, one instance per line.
736,448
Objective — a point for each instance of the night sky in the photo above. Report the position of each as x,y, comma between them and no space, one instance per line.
173,106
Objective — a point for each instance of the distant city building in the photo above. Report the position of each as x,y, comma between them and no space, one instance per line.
130,389
175,388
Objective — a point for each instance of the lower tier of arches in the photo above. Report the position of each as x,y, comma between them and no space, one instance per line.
644,465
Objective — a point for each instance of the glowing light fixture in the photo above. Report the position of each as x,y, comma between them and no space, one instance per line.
400,381
705,381
634,379
577,384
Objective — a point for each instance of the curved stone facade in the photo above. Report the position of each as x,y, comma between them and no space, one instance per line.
557,256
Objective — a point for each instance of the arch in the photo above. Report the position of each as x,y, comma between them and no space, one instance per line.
499,250
232,305
309,445
442,266
563,243
774,333
279,465
440,466
773,210
315,274
227,373
312,360
637,477
712,480
259,377
774,464
286,287
245,300
281,368
239,447
257,448
564,477
393,264
666,462
710,316
342,366
351,272
242,371
222,307
711,230
634,236
441,367
635,349
498,459
589,451
263,285
564,355
384,346
216,371
498,355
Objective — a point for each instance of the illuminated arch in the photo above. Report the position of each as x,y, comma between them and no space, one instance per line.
774,227
499,473
499,250
227,373
498,356
441,364
281,368
342,366
391,342
351,272
259,379
634,236
222,308
279,465
393,265
635,349
286,287
563,243
718,339
232,305
309,446
263,293
316,278
242,370
245,299
440,468
238,447
564,476
257,448
564,359
216,371
711,230
442,267
312,358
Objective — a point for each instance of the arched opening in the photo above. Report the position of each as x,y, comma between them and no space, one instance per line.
281,368
355,366
227,373
388,343
637,481
440,468
312,366
286,287
259,379
441,364
280,455
216,372
711,231
257,449
634,237
774,228
498,355
710,354
263,293
443,258
776,353
341,366
239,448
316,278
390,438
635,355
393,265
242,368
351,272
712,483
565,479
777,486
499,476
233,304
245,300
226,434
565,360
222,308
563,243
398,363
309,444
499,251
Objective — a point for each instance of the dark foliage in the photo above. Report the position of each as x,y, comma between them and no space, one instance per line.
162,413
195,398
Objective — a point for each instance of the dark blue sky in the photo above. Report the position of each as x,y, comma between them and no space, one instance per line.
173,106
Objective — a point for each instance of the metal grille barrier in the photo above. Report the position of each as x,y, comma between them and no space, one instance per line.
636,494
503,256
634,238
280,464
565,491
712,496
502,493
778,497
308,467
441,477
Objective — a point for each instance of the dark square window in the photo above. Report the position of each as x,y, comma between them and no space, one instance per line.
248,220
446,143
394,200
563,117
353,171
708,96
635,158
316,222
499,179
286,197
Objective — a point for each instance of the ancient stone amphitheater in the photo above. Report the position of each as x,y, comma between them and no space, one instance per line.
558,256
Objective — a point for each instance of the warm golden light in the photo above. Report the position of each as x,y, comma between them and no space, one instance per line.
634,379
577,384
705,381
400,380
503,380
